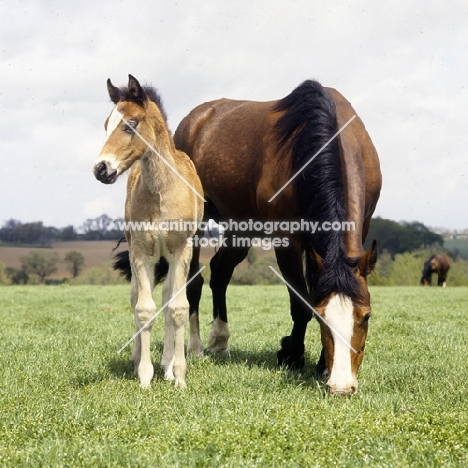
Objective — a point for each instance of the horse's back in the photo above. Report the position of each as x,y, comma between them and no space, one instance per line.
359,157
225,140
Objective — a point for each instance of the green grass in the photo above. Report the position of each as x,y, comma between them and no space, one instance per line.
68,399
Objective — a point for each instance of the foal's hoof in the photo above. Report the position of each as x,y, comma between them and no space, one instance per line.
145,374
291,356
180,383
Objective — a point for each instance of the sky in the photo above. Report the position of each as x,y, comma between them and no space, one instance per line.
403,66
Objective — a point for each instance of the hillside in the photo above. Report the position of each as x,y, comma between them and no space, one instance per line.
95,253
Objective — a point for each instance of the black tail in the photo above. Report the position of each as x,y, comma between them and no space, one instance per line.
122,265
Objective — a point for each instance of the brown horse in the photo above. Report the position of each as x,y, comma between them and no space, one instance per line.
162,186
439,264
246,154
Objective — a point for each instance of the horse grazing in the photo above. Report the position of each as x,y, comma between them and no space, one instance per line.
439,264
162,186
245,154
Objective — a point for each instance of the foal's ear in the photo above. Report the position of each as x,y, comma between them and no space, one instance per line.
114,92
136,91
368,260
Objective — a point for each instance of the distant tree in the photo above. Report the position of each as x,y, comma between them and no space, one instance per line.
15,232
7,232
20,276
399,238
67,234
75,262
100,228
4,276
40,265
252,256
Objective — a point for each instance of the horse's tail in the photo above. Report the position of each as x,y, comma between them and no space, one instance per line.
122,265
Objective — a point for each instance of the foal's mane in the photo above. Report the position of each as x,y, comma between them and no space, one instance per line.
151,92
307,124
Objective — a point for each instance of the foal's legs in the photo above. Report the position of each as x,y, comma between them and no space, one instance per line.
175,316
137,343
144,309
222,266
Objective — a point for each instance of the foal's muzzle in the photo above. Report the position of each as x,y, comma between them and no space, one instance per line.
105,173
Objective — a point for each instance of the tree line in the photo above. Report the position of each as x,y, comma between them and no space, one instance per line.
40,266
14,232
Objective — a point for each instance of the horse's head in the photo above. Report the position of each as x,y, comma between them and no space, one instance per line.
344,316
426,278
130,130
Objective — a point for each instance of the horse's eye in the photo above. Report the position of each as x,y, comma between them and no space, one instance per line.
366,317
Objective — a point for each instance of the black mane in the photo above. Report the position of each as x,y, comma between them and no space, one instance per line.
151,92
308,123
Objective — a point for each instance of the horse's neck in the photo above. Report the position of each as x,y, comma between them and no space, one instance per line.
156,167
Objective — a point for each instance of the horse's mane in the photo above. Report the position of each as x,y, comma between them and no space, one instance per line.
152,94
307,124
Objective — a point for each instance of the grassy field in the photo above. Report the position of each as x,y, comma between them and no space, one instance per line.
68,399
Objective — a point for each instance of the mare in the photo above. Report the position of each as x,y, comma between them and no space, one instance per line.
245,154
162,185
439,264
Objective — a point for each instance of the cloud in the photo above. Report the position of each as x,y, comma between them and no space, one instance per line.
402,65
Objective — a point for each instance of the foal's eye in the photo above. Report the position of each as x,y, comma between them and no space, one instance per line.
130,126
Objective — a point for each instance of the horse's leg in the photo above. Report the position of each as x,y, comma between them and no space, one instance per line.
441,279
144,310
175,316
292,349
222,266
194,291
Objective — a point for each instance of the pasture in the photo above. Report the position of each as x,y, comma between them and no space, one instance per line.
68,399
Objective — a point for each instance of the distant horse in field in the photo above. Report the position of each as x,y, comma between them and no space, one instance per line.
246,154
162,185
439,264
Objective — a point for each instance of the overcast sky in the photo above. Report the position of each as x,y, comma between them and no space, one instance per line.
403,65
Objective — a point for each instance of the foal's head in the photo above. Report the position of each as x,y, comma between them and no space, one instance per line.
343,301
132,128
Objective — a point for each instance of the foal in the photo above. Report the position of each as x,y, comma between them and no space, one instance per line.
162,186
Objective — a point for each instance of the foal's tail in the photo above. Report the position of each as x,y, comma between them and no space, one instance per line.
122,265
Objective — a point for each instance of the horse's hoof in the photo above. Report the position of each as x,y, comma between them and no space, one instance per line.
220,350
195,348
290,362
291,356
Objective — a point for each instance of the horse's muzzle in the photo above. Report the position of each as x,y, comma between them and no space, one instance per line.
349,389
105,173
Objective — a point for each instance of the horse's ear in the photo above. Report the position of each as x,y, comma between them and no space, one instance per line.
136,91
368,260
114,92
316,259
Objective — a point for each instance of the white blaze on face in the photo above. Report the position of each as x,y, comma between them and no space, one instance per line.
112,123
339,315
114,120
